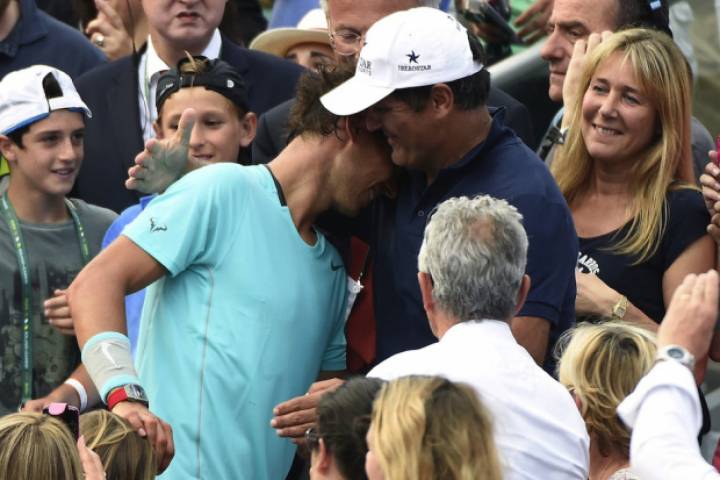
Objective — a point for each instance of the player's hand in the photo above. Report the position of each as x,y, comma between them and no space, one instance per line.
163,161
57,312
293,417
146,424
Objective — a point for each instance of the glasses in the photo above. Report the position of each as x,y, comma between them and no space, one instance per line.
312,439
346,42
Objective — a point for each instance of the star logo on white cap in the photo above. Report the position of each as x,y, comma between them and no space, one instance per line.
412,57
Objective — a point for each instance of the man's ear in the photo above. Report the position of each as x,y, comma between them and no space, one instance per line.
324,458
522,293
248,129
441,99
8,148
426,289
353,127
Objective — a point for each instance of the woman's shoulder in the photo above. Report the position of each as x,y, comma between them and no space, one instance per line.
683,200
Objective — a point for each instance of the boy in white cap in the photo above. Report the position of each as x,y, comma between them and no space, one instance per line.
45,238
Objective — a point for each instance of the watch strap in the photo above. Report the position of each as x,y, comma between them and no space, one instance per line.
127,393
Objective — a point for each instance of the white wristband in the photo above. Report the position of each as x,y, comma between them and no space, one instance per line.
80,389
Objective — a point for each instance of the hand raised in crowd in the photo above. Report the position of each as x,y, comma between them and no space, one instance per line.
711,194
57,312
692,314
533,21
91,464
108,33
293,417
571,86
146,424
163,161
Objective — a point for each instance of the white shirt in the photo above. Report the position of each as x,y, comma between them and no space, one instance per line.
665,417
539,432
149,70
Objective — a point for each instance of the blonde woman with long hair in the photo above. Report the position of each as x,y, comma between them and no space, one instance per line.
428,428
601,365
626,173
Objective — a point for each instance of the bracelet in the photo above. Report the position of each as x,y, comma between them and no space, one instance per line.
80,389
619,309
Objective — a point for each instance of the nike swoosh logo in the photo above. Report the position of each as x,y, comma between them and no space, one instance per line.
335,268
105,349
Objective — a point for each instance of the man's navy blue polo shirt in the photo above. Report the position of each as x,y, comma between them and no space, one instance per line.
503,167
39,39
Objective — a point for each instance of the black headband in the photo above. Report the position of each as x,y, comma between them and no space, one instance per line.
219,77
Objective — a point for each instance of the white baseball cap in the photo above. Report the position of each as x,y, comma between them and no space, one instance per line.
312,28
412,48
23,100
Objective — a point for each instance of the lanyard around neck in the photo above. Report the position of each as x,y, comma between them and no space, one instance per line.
8,213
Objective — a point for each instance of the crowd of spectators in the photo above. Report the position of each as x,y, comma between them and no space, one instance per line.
335,254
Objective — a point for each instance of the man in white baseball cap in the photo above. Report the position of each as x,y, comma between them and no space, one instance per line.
45,239
421,81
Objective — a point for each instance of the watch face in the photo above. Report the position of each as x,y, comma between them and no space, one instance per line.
135,391
675,353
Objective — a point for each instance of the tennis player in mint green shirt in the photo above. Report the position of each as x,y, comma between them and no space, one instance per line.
249,301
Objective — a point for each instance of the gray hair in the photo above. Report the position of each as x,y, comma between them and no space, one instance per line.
475,250
420,3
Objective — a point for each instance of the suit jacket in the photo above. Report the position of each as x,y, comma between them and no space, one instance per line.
272,131
113,136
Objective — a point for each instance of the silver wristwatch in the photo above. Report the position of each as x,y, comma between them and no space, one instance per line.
678,354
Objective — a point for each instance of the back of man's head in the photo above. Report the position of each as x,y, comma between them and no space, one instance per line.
475,251
308,116
644,14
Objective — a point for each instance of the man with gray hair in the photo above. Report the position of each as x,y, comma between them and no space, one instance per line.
472,280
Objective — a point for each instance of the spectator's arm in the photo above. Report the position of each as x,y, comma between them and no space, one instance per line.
664,410
532,333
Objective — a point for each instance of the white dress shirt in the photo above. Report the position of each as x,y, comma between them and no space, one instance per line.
665,417
149,70
539,432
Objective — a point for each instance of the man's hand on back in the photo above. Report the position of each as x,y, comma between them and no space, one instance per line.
292,418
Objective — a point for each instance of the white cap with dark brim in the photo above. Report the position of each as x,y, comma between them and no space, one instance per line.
23,100
412,48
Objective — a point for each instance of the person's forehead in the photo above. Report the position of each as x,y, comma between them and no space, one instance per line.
58,120
360,15
595,15
199,98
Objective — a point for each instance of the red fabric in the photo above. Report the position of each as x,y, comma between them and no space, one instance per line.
360,328
716,457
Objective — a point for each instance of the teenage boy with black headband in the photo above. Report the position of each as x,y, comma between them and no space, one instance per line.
248,301
45,239
223,133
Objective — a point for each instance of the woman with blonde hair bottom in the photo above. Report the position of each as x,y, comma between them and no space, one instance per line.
427,428
124,454
601,365
37,447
